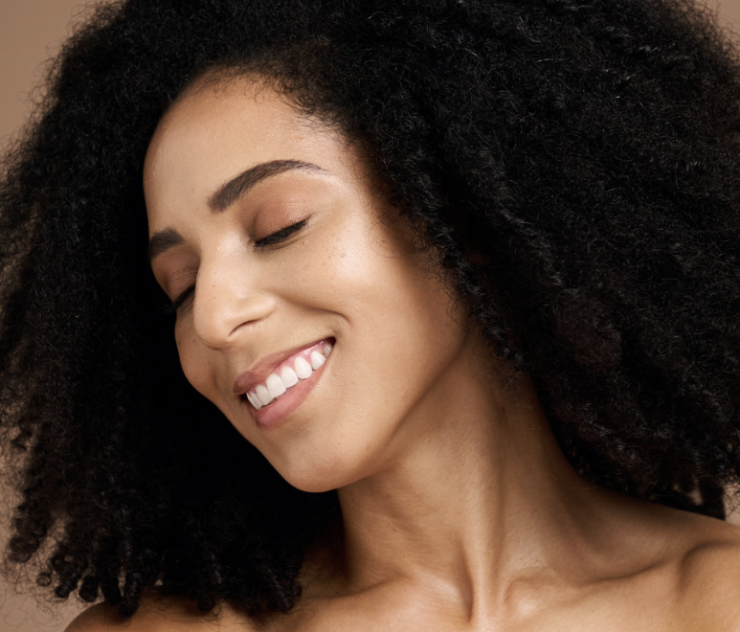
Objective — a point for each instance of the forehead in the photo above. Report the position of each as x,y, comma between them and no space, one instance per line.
217,130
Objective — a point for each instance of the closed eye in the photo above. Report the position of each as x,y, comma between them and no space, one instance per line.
280,235
173,307
182,297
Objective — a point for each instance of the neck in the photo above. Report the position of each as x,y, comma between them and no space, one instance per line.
475,496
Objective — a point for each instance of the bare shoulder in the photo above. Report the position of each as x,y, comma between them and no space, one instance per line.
161,614
709,579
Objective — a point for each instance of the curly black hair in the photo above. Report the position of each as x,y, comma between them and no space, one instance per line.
575,163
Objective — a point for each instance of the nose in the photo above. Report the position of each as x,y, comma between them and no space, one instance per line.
226,302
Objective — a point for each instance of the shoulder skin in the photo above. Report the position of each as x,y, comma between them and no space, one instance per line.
158,614
710,580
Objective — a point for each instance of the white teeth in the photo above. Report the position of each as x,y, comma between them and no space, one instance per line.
275,386
302,368
254,400
263,394
317,360
288,377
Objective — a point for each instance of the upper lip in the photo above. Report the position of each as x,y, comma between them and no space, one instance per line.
260,371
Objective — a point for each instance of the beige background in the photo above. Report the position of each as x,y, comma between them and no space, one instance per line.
31,31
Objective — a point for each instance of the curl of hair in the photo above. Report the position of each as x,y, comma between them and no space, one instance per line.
574,162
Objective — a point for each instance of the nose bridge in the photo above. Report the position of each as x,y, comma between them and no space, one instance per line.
227,297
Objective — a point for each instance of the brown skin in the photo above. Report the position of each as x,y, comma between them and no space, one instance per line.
459,511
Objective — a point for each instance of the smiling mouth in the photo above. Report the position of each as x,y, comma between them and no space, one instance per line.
286,375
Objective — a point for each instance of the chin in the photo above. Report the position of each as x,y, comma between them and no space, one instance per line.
316,477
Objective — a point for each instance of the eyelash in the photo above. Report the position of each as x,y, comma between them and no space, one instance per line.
270,240
280,235
180,299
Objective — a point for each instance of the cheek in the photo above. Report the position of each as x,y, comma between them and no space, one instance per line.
195,363
391,287
350,266
403,321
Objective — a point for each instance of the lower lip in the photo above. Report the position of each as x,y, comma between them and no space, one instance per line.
273,414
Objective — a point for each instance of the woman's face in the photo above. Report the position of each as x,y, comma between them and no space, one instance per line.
268,232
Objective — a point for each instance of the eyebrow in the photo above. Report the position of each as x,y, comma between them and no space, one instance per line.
162,241
238,186
227,195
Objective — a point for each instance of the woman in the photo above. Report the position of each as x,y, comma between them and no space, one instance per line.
464,276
